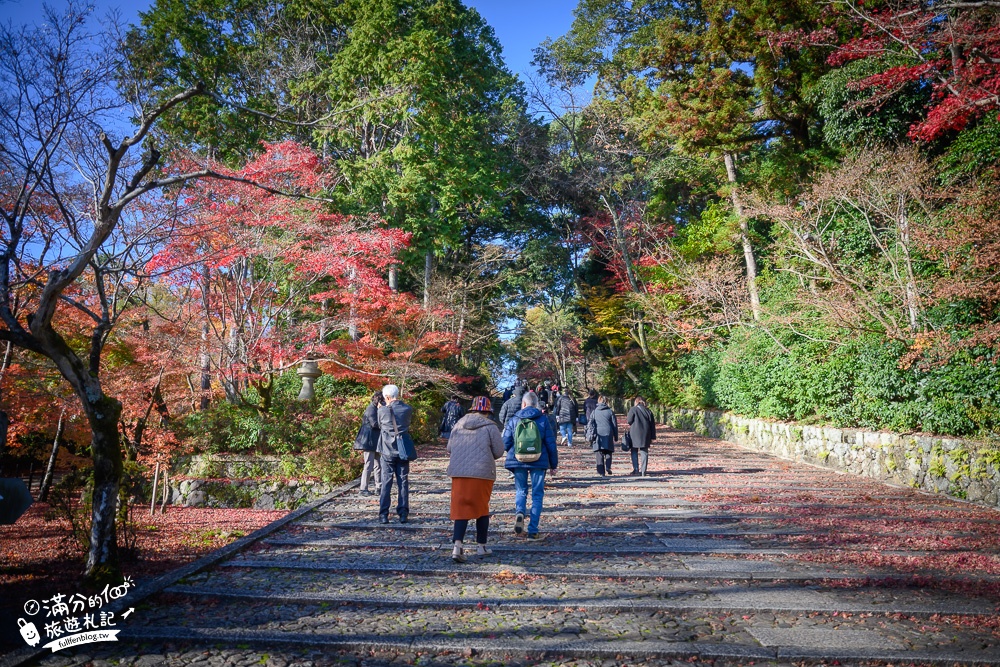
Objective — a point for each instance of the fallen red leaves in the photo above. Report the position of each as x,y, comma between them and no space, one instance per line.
39,558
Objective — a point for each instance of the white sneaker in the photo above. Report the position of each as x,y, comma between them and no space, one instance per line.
518,524
483,550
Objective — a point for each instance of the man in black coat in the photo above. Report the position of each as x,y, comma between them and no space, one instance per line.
513,404
566,411
642,431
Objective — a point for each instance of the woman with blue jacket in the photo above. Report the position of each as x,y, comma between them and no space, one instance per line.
535,470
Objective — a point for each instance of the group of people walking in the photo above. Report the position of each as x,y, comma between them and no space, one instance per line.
528,443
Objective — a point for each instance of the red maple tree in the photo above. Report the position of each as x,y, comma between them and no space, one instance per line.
954,47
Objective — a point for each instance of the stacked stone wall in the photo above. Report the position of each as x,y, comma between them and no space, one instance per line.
242,481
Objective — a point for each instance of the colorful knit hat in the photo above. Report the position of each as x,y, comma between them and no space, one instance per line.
481,404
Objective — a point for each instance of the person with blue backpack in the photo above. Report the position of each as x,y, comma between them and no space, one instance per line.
530,443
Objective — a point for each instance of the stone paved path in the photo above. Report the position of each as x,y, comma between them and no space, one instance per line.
722,555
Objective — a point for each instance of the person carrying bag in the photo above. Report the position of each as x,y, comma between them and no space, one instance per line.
602,432
641,432
367,443
396,451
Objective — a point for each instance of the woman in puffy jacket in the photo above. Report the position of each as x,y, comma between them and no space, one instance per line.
473,449
603,432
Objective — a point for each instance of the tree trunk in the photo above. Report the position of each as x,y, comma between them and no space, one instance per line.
103,413
352,318
912,296
428,264
206,359
4,418
748,256
43,492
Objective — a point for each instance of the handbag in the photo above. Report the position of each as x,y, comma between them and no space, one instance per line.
404,443
627,442
367,440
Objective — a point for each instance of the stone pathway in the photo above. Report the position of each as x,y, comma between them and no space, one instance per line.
721,556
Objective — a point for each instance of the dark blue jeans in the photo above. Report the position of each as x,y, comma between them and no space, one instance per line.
401,471
537,476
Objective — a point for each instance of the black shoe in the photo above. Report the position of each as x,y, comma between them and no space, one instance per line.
365,493
403,519
383,519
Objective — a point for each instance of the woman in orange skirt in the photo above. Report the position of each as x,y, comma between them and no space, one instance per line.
473,449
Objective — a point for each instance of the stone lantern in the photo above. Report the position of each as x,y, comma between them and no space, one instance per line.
308,371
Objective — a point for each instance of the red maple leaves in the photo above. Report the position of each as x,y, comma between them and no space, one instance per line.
955,50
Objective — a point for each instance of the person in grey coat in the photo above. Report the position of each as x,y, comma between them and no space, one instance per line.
642,431
513,404
473,449
604,429
393,419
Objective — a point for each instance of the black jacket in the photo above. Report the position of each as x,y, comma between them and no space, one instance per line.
606,426
566,410
511,406
588,407
642,426
451,412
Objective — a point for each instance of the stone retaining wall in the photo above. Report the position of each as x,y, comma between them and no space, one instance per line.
246,493
237,466
242,481
962,469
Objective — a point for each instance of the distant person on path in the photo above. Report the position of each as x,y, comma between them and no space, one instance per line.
543,396
589,405
642,430
473,449
512,404
529,428
451,412
553,397
567,412
394,421
603,428
507,393
368,442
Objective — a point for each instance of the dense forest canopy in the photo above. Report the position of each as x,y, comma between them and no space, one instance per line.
785,209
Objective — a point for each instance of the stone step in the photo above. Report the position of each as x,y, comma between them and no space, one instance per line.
677,528
594,595
685,569
499,649
698,569
670,545
828,637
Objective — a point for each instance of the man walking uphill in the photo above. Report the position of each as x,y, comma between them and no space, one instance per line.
394,420
512,404
566,411
531,450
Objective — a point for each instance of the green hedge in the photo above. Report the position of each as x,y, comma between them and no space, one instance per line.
861,384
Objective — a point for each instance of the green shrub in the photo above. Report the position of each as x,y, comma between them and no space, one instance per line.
322,430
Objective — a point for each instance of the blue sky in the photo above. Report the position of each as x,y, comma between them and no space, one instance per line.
520,25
